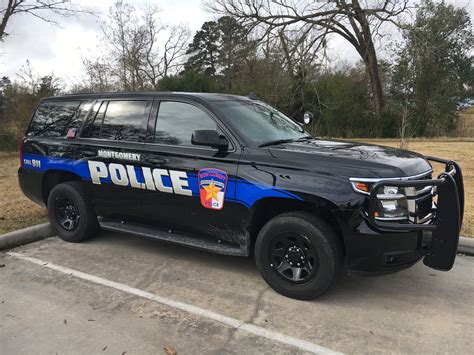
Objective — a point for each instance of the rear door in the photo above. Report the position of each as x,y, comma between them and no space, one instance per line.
194,185
45,146
108,155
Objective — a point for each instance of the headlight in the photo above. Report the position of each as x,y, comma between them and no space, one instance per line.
390,190
392,203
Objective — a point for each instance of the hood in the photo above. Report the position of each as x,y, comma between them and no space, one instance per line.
352,159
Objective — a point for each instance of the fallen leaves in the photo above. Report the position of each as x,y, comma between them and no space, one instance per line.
170,350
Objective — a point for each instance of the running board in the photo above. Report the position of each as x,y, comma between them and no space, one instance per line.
189,240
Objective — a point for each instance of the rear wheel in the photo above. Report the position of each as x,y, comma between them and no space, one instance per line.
70,212
298,255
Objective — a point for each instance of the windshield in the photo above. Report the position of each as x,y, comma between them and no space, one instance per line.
261,123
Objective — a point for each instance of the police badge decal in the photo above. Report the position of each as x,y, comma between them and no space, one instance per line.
212,185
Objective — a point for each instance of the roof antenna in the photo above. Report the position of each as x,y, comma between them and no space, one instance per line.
252,96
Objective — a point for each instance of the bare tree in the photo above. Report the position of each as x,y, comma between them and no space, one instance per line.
41,9
357,21
140,49
125,43
299,48
302,54
98,74
159,64
175,50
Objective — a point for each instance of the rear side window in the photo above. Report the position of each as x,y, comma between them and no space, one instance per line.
80,114
177,121
119,120
52,117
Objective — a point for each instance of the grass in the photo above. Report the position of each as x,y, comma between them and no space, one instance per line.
16,211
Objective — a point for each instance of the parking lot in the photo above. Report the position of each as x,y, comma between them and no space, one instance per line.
120,294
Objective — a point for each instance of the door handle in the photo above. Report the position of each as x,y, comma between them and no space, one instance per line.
155,161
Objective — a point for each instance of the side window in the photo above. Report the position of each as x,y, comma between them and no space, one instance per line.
94,129
80,114
177,120
119,120
51,118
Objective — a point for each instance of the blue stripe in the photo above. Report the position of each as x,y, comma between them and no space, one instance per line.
246,192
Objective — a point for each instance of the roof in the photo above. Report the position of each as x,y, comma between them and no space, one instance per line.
210,97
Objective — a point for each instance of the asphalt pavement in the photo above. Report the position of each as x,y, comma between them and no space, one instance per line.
121,294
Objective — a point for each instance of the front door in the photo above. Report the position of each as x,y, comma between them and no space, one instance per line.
194,186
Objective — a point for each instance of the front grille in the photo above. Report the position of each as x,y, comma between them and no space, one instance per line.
420,205
425,201
424,207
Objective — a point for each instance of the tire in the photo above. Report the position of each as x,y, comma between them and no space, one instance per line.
314,243
72,194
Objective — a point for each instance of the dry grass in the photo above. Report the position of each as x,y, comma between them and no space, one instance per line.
459,149
16,211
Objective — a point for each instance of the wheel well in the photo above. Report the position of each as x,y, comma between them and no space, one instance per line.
266,209
53,177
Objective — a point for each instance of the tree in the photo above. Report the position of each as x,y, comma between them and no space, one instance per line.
189,81
234,49
41,9
346,103
202,50
220,49
434,67
99,75
18,100
38,86
355,21
174,50
133,58
279,69
4,82
128,44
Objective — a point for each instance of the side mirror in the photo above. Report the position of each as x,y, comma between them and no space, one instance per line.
209,138
308,117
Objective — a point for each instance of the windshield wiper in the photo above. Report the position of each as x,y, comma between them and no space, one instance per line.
305,138
275,142
288,140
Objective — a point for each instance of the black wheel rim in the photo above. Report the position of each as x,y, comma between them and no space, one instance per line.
294,258
67,213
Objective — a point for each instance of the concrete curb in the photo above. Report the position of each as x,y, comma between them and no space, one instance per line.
466,246
25,236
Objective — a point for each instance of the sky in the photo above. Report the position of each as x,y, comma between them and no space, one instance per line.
60,49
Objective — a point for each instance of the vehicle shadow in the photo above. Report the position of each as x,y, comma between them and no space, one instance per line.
140,244
416,281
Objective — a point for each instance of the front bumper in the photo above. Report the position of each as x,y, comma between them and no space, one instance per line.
445,216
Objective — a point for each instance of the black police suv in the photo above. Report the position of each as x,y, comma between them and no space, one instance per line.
232,175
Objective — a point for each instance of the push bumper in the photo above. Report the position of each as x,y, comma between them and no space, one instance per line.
372,253
437,234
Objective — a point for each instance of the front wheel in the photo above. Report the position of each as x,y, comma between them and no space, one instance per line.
70,212
298,255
